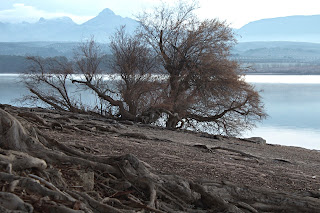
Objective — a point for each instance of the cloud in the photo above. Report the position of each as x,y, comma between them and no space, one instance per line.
18,5
21,12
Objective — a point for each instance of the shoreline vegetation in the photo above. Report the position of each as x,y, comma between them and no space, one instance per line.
70,162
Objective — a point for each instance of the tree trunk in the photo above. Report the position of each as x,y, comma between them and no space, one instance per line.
173,120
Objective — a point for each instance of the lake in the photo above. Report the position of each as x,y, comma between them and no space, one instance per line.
292,103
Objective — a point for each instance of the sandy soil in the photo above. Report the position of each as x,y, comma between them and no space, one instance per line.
194,156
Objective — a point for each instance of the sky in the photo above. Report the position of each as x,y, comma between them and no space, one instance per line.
235,12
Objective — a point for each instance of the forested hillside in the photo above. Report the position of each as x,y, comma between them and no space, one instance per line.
279,57
12,64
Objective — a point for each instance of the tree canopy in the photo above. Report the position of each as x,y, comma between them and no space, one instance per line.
204,86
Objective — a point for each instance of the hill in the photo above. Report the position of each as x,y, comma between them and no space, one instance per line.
291,28
279,57
13,54
278,50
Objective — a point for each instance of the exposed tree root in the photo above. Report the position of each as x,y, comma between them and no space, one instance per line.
37,175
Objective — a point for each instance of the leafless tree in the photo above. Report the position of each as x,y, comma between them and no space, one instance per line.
136,65
134,89
203,85
47,80
130,91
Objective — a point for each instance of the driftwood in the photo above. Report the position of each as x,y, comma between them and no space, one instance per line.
36,176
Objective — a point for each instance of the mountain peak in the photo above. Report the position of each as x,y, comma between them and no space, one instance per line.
100,20
106,12
42,19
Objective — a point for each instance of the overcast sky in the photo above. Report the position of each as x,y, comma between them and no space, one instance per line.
236,12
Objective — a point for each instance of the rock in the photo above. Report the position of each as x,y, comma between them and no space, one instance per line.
257,140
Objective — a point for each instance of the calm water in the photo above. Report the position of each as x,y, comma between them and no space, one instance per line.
293,105
292,102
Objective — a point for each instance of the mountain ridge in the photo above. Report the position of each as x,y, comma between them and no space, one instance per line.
299,28
64,29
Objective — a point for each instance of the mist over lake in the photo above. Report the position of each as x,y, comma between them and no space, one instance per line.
293,108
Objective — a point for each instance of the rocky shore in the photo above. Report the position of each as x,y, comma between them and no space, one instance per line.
87,163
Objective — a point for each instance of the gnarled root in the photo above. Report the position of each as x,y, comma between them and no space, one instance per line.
9,201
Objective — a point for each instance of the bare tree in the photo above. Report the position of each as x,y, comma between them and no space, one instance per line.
203,85
137,65
129,94
47,80
134,89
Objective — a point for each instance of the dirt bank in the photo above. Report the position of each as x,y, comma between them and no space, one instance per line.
212,161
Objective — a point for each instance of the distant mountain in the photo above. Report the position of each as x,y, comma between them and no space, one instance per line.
291,28
64,29
105,24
